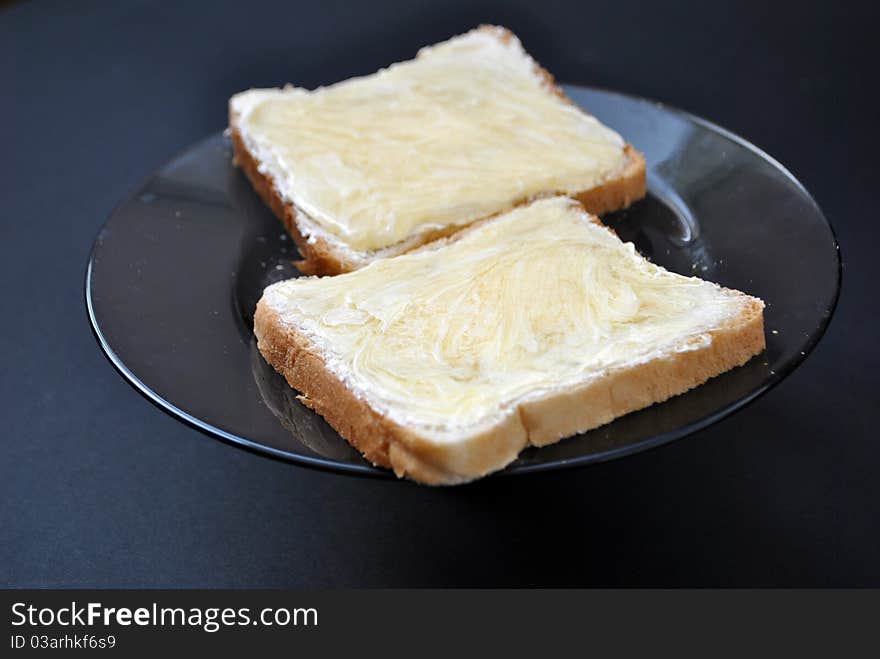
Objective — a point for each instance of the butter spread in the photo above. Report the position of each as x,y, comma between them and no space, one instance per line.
465,130
536,299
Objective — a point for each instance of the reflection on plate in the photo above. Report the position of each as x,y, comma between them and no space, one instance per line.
301,422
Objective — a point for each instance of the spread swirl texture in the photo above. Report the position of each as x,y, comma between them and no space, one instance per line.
467,129
534,300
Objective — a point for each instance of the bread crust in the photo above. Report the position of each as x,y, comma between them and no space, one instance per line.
322,257
537,422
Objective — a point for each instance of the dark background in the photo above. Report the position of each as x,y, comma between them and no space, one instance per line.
99,488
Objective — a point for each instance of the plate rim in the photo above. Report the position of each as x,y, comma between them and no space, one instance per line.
370,471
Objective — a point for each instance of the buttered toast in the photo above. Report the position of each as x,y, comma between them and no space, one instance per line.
377,166
533,325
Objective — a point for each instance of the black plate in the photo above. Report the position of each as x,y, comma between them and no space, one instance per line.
177,270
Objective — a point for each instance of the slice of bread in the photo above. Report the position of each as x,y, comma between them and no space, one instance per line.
536,324
376,166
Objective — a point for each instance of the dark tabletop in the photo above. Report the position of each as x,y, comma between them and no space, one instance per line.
100,488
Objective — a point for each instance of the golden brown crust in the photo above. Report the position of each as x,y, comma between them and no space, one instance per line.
628,187
321,257
537,422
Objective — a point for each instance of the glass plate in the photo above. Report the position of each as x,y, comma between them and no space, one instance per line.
176,272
